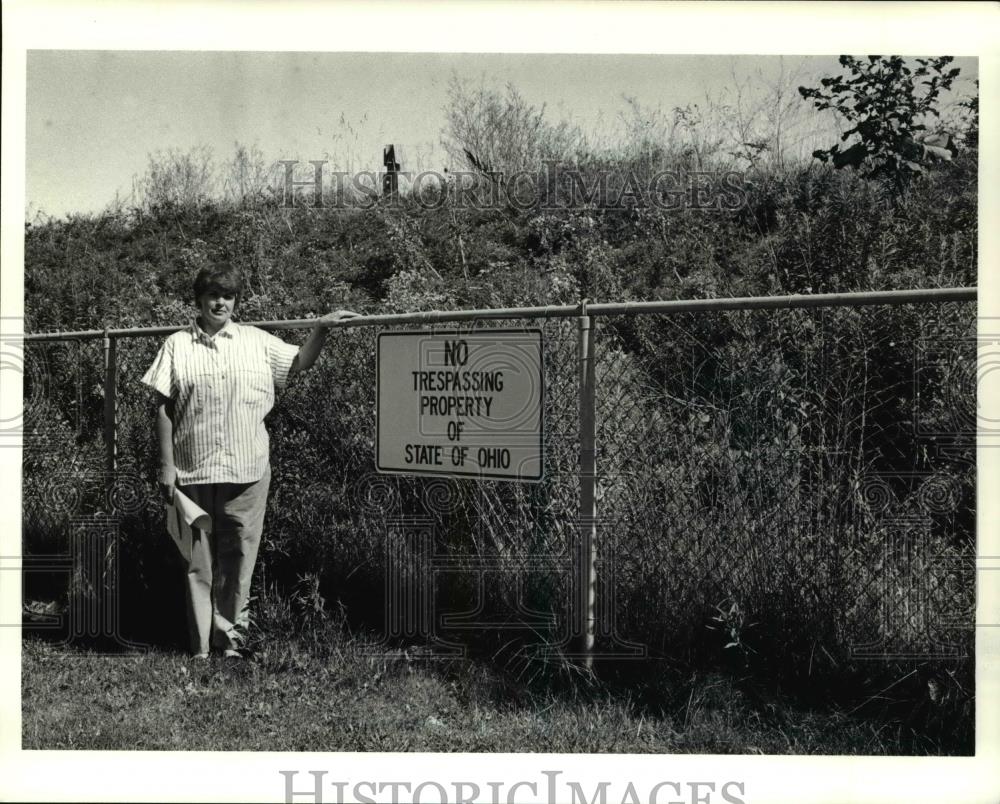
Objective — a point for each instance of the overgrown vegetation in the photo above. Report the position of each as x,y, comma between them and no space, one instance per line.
755,467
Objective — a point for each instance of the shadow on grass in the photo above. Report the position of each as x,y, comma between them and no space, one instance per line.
315,680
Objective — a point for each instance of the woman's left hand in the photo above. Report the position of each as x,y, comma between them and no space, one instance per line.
336,317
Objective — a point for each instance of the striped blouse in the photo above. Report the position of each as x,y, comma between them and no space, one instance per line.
222,388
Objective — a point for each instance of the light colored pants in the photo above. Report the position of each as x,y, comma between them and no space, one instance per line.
218,577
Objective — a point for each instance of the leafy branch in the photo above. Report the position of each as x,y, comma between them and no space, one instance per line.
889,106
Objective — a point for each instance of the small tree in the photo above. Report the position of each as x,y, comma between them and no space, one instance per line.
888,106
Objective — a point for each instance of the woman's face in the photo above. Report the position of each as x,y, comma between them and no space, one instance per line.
216,307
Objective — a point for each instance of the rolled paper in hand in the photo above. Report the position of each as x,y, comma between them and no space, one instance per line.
183,514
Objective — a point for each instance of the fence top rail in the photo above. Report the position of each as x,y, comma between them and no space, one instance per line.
865,298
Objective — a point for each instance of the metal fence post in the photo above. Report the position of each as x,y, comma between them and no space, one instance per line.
587,554
110,407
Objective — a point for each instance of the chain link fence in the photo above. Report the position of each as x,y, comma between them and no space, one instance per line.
784,482
796,484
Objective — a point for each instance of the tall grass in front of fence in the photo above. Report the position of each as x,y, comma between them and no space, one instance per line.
772,506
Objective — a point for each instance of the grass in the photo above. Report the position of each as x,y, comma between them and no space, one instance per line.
293,698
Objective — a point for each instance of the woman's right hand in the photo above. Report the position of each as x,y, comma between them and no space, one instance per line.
167,477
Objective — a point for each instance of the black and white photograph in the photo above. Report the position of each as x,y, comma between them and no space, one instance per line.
414,408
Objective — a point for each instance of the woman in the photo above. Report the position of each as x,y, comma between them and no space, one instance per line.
215,383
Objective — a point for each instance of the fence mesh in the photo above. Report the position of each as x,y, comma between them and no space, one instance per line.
767,481
62,427
790,479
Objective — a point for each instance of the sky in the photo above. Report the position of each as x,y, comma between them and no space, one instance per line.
94,117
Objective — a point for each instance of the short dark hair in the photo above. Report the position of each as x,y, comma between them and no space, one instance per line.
222,277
